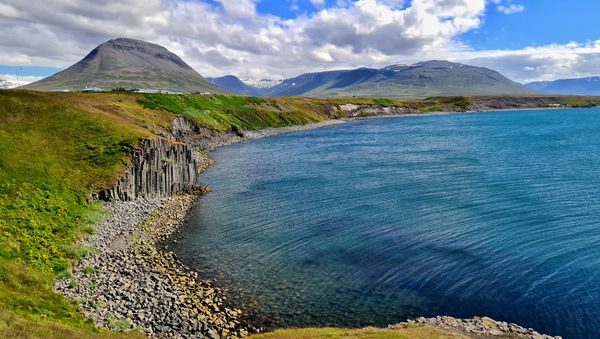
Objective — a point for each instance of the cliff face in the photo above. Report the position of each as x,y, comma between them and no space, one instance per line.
159,168
352,111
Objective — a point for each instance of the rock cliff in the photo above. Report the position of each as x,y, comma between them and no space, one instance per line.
158,168
352,110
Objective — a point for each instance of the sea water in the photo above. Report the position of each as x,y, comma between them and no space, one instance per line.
374,221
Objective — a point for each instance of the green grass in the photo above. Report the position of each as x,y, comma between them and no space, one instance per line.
222,113
13,326
384,102
412,332
118,324
52,155
89,270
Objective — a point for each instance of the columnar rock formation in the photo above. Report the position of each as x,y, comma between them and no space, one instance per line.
158,169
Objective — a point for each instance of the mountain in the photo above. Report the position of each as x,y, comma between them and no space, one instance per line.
233,84
128,63
424,79
580,86
261,83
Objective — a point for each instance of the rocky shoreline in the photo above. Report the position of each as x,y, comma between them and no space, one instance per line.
131,281
477,327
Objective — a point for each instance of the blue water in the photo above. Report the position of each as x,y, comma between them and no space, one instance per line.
374,221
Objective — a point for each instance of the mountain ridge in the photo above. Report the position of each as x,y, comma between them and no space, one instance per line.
128,63
235,84
422,79
570,86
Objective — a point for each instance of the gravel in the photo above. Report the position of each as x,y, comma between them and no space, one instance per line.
130,282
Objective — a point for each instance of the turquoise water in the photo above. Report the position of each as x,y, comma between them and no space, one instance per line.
374,221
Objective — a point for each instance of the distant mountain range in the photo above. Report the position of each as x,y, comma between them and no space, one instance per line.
128,63
261,83
424,79
245,86
580,86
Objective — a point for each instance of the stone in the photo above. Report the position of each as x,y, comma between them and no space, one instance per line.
159,168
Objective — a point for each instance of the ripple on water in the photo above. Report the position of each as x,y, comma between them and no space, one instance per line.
373,221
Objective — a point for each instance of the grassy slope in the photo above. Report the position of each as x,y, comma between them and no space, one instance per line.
52,152
55,148
223,113
413,332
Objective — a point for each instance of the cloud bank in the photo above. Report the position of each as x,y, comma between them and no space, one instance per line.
231,37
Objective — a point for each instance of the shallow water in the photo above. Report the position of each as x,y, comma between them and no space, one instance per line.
374,221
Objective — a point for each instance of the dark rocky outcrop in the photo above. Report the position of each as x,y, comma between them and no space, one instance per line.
159,168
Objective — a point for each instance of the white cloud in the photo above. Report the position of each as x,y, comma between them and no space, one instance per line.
233,38
239,8
317,2
542,62
510,8
20,81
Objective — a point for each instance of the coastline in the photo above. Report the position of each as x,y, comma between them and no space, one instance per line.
130,253
443,113
131,281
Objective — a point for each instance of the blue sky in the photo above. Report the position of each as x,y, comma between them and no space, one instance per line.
524,39
542,22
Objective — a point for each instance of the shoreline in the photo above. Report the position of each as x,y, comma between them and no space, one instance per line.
443,113
130,252
131,281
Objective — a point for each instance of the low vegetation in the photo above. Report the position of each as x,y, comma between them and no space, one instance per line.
220,112
413,332
52,155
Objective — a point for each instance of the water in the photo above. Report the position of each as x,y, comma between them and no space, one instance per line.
374,221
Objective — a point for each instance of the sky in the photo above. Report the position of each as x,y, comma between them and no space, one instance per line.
526,40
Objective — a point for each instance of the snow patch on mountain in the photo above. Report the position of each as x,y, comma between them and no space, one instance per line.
261,83
4,84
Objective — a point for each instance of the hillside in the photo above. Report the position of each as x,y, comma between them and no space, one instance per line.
235,85
579,86
424,79
128,63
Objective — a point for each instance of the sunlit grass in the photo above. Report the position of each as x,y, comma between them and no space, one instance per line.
414,332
